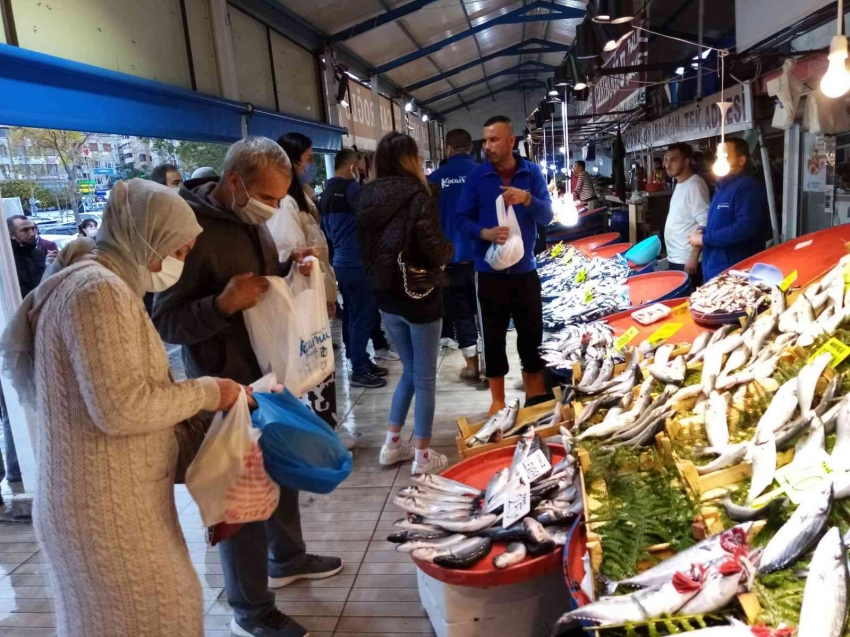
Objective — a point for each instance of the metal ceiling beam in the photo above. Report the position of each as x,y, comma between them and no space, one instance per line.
531,46
535,67
477,47
518,86
517,16
381,19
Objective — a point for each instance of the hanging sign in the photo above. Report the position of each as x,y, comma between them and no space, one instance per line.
359,117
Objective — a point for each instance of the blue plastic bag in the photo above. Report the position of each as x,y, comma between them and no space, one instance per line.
300,451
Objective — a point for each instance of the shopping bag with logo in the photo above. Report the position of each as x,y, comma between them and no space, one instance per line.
228,479
290,331
300,450
501,257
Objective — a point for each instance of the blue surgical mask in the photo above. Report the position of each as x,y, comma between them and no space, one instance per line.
309,175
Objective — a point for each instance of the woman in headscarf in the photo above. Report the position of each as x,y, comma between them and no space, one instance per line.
82,352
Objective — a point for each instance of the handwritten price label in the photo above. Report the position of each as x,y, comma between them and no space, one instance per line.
836,348
534,466
557,250
581,277
788,281
627,337
588,296
517,504
664,332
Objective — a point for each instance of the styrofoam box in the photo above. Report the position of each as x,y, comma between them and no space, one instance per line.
527,609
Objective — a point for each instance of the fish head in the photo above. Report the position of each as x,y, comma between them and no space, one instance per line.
690,582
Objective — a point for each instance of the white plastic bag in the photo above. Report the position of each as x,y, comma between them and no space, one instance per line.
290,330
500,257
286,230
227,478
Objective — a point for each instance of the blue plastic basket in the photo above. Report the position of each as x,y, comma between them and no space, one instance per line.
645,252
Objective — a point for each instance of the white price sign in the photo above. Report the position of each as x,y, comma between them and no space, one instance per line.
517,504
534,466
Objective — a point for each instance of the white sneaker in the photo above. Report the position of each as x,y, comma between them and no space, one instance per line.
402,453
386,354
348,441
436,462
448,343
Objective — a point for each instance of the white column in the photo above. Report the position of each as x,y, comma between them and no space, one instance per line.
225,52
376,107
329,165
790,190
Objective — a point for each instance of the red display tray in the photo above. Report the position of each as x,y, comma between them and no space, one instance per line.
476,472
596,241
611,250
622,321
655,286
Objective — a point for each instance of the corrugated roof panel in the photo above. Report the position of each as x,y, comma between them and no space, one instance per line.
381,45
499,37
333,15
412,72
483,10
437,88
432,26
500,64
456,54
461,79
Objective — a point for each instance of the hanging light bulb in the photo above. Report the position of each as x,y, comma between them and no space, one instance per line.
552,166
721,166
565,210
409,106
564,170
543,163
562,150
424,117
836,81
680,70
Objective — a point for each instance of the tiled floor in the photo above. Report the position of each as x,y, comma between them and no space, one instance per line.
376,593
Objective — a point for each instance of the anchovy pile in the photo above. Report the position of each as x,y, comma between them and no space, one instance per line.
587,302
455,526
574,343
583,270
728,293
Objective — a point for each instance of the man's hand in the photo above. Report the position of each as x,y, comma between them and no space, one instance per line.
515,196
498,235
692,266
243,292
299,254
331,310
51,256
695,240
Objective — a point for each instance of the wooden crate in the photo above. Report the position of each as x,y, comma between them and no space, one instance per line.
530,414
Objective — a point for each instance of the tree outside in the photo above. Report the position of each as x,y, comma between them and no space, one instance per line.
26,189
190,155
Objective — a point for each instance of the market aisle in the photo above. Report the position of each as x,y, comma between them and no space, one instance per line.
375,595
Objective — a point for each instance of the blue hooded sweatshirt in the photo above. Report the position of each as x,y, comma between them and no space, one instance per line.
476,210
339,223
736,224
451,178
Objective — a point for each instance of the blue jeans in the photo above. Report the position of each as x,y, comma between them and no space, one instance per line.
418,346
360,309
11,470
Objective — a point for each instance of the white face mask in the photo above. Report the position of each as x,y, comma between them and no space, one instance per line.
91,233
254,212
172,268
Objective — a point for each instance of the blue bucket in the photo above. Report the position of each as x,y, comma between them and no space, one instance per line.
645,252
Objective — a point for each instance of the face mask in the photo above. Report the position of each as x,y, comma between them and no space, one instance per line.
309,176
254,212
175,188
172,268
91,233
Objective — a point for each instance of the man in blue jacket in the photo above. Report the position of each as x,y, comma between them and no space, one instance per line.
461,303
736,220
515,291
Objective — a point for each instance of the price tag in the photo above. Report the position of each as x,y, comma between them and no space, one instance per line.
588,296
534,466
833,346
798,480
788,281
803,244
557,250
627,337
664,332
581,276
517,504
567,258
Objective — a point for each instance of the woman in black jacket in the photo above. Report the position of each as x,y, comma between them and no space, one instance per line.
404,250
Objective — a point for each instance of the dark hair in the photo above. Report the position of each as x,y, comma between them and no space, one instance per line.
10,221
686,150
391,150
657,160
84,223
742,148
581,164
160,173
499,119
459,139
295,145
345,156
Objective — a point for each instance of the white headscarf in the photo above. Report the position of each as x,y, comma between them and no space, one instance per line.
142,221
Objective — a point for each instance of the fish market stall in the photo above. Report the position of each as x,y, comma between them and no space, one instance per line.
596,241
716,473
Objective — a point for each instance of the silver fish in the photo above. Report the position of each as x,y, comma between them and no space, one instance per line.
782,407
748,514
686,393
662,354
737,359
717,591
711,548
778,302
604,375
672,373
439,543
514,554
408,535
495,486
711,368
589,374
716,425
799,533
439,483
807,379
469,524
415,491
761,332
461,555
590,408
721,333
762,369
535,530
640,606
699,344
497,425
841,452
764,462
810,448
408,525
824,610
418,506
729,457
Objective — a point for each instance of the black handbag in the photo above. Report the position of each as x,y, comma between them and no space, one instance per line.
417,282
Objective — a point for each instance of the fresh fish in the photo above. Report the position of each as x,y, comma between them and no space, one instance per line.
748,514
439,483
764,462
588,376
686,393
604,375
415,491
807,379
495,486
559,536
721,333
498,424
432,508
657,601
647,347
782,407
778,302
711,368
699,344
409,524
841,485
761,370
672,373
718,589
662,354
469,524
547,517
646,435
824,609
708,550
761,332
435,543
811,448
590,408
841,452
737,359
729,457
799,533
716,425
410,535
461,555
535,531
514,554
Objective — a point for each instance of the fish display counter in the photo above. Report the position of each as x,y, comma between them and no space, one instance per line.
715,471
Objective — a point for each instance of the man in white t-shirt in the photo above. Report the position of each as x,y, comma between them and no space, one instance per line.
688,211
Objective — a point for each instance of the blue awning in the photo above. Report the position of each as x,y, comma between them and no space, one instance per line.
327,139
